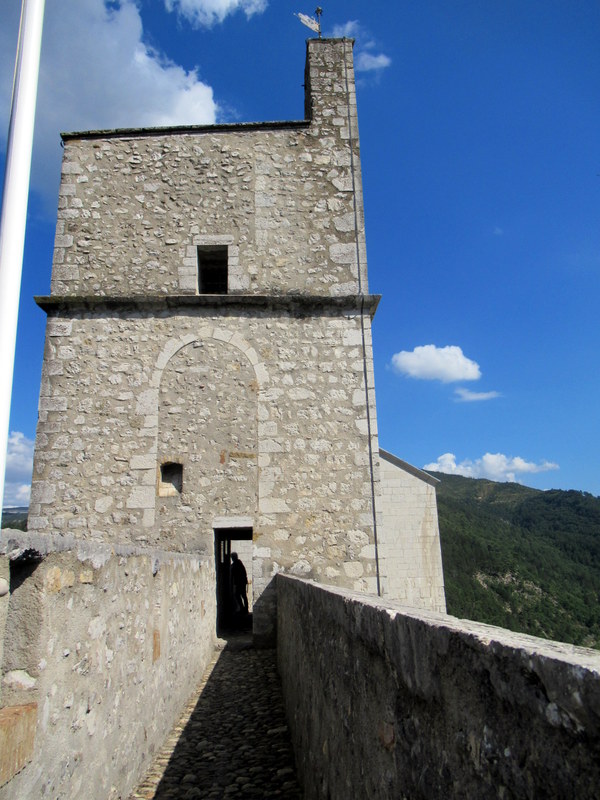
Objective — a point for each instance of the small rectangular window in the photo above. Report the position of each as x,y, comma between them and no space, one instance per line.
212,269
171,479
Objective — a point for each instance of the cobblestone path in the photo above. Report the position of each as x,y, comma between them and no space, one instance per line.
232,740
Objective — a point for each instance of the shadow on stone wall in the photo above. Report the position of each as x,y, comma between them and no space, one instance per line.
264,614
388,701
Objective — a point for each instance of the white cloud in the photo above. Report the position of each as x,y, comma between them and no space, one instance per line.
19,466
205,13
16,494
467,396
350,30
97,72
494,466
19,457
365,60
428,362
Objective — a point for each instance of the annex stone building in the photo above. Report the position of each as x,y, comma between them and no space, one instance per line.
208,373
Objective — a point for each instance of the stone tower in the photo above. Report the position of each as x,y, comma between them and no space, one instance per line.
208,372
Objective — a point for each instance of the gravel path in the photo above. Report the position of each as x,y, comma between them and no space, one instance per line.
232,740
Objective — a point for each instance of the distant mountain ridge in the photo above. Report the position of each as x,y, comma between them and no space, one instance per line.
15,517
522,558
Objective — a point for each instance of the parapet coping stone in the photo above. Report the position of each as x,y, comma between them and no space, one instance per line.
31,546
486,635
170,130
304,304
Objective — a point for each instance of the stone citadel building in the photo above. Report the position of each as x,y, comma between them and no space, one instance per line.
208,373
208,386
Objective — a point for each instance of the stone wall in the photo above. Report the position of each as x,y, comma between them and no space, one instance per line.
285,198
282,438
103,648
385,701
409,537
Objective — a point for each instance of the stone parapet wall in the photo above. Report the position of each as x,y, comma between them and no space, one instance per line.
385,701
103,647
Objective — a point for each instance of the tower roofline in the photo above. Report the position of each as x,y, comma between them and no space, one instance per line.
228,127
168,130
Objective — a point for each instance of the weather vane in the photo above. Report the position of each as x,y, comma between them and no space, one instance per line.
310,22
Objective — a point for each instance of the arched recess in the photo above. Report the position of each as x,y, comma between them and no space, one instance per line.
202,412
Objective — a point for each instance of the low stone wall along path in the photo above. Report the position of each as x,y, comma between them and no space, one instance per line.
232,739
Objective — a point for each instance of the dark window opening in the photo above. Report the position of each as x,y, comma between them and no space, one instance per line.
212,269
171,479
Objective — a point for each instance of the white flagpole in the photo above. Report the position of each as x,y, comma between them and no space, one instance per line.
14,204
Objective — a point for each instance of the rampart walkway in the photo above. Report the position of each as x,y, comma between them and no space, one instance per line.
232,739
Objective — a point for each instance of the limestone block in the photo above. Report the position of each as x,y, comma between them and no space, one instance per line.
222,335
44,491
141,497
267,429
353,569
59,327
188,283
71,168
53,404
19,679
67,189
270,446
271,505
63,240
103,504
343,184
147,402
343,253
148,518
341,289
347,222
143,462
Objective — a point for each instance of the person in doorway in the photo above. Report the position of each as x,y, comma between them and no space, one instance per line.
239,580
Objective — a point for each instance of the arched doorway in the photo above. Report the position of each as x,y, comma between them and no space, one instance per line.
207,443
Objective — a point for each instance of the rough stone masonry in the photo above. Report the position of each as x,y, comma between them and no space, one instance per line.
173,406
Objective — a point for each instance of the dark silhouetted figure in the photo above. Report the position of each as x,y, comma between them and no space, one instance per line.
239,580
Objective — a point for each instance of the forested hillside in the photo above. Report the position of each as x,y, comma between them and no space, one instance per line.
15,518
522,558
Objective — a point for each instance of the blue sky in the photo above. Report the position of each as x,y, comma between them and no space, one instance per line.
480,131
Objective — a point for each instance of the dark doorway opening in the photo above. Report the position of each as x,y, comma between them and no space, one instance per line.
231,615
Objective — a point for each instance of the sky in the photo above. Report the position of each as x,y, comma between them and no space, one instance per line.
480,129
